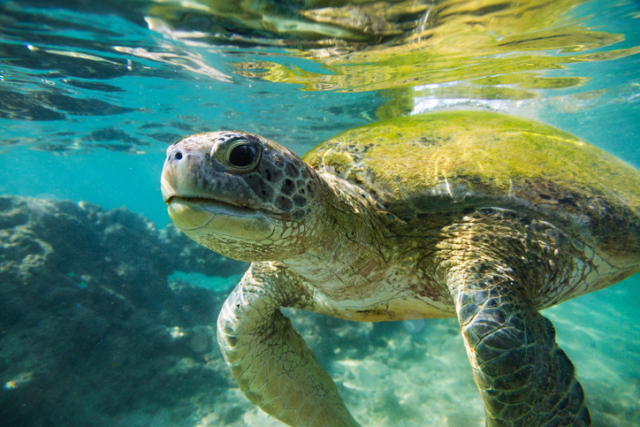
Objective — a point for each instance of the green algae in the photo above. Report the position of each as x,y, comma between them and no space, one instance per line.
485,153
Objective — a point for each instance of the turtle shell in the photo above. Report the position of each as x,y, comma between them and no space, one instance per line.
423,168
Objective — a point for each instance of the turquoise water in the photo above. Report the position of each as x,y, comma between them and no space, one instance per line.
92,93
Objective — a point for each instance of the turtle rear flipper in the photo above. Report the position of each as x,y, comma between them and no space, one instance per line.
270,361
524,378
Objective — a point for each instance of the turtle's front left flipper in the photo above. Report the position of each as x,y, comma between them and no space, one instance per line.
270,361
524,378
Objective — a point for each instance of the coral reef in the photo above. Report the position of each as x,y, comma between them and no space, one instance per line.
91,326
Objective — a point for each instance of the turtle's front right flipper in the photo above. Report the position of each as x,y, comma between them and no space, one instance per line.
271,362
524,378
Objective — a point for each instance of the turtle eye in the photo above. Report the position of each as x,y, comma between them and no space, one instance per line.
238,155
242,155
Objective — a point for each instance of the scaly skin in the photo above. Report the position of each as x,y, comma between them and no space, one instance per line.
475,215
524,378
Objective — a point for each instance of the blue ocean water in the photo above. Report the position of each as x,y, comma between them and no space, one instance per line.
92,93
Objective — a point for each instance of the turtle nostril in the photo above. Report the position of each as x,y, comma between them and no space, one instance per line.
178,156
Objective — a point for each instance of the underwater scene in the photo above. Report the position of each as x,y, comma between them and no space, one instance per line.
108,311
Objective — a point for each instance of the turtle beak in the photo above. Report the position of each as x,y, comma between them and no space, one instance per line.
167,190
175,177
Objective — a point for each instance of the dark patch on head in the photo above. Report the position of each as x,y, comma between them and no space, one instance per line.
287,187
291,171
311,188
283,203
299,201
270,173
298,214
259,187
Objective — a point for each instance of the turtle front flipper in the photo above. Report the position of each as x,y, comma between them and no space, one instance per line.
524,378
270,361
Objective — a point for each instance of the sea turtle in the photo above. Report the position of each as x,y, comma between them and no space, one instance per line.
474,215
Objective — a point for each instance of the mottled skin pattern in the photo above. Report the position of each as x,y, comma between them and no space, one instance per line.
475,215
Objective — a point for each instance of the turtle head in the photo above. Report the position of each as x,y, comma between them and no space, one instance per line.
240,195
